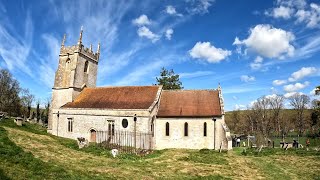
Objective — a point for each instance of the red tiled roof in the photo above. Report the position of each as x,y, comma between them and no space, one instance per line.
189,103
125,97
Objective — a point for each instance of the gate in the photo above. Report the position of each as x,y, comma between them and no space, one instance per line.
125,141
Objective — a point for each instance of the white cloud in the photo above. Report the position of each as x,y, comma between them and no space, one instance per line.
234,97
279,82
257,63
169,33
281,12
246,78
313,92
295,87
206,51
172,11
268,41
141,20
272,96
199,6
195,74
290,94
239,107
303,72
15,48
49,62
303,12
145,32
310,16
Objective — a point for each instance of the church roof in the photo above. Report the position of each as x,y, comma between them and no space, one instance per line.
189,103
122,97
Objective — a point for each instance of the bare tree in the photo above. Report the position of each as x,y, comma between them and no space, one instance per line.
276,105
26,101
299,102
262,110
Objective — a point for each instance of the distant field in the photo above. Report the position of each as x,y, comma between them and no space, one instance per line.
28,152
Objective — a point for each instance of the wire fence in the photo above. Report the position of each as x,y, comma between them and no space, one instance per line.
125,141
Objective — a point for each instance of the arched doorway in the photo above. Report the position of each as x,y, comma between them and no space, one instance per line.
93,135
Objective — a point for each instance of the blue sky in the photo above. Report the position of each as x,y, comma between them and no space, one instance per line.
252,48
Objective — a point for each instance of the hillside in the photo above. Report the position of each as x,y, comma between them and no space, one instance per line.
28,152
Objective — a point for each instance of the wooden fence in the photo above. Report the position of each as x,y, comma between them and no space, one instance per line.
125,141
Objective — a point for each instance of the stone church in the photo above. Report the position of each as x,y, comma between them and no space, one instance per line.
192,119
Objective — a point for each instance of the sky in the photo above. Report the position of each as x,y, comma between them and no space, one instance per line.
252,48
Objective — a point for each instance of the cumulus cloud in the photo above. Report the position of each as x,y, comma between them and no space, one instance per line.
309,14
246,78
295,87
268,41
303,72
206,51
257,63
172,11
169,33
279,82
281,12
141,20
145,32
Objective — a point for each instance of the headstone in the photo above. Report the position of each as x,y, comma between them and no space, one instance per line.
82,142
114,152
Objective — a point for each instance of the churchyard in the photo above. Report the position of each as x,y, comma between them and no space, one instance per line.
28,152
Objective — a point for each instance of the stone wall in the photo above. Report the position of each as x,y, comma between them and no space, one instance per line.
85,120
195,138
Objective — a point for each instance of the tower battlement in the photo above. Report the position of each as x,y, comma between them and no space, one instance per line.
79,48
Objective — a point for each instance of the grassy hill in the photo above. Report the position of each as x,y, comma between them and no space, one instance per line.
28,152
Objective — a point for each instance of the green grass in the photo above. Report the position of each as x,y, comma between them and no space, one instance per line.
28,152
207,157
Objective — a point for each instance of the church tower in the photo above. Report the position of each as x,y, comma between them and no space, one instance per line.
77,69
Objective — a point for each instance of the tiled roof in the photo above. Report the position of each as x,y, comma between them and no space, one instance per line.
125,97
189,103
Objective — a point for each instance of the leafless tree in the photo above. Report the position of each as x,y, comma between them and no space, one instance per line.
26,101
299,102
276,105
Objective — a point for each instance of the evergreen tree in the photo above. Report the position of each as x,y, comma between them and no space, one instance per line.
169,80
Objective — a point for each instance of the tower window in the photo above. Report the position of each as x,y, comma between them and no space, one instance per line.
186,129
68,63
86,65
205,129
70,124
167,129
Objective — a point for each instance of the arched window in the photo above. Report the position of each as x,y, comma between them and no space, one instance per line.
205,129
185,129
86,65
167,129
68,62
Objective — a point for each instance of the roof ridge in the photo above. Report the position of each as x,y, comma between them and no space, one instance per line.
191,90
105,87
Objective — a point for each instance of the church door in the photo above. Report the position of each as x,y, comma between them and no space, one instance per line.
93,135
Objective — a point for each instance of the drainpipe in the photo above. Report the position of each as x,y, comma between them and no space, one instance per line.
214,133
135,131
58,123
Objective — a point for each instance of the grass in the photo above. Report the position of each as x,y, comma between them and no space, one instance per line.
28,152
